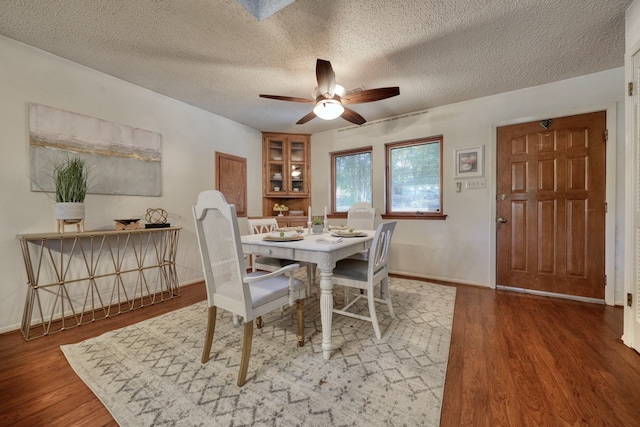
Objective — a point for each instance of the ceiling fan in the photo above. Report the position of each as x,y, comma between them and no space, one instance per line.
330,97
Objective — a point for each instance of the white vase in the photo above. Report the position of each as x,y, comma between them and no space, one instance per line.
69,211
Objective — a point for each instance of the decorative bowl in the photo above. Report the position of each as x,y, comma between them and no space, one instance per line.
296,213
126,221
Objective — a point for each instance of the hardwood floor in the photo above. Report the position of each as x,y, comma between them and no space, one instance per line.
515,360
524,360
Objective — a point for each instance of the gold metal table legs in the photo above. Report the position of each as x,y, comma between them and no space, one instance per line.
76,278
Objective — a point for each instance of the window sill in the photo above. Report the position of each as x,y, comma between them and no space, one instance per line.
337,216
421,216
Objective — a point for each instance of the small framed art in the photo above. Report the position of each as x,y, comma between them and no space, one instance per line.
469,162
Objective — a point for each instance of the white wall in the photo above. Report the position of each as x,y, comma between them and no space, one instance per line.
462,248
632,46
632,25
190,139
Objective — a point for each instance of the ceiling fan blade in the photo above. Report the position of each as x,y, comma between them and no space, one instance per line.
371,95
306,118
352,116
288,98
326,78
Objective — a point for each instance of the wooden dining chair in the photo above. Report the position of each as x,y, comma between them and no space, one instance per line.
229,287
367,275
267,263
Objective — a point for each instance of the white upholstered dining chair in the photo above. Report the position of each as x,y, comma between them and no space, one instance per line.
266,263
361,216
367,275
229,287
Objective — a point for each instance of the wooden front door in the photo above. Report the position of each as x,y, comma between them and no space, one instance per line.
551,205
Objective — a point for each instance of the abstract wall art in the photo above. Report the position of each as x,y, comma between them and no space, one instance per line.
123,160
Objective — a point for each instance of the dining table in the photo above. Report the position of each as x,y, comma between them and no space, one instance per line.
321,249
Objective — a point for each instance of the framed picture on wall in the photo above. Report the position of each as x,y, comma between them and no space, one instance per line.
469,162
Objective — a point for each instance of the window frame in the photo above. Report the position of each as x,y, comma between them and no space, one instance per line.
343,153
428,215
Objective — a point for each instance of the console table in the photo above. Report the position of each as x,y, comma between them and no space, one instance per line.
79,277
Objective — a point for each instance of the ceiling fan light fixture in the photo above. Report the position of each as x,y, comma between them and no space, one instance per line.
338,91
328,109
329,97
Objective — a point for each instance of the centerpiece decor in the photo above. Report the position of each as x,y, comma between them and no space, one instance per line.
71,177
318,224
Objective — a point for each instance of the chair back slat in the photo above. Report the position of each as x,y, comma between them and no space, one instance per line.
262,225
361,216
380,247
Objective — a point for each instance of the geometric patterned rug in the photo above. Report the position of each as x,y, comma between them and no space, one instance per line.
150,373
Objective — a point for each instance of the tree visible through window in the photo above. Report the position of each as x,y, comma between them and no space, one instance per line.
414,177
351,173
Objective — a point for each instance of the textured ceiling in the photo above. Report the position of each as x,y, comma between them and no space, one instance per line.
215,55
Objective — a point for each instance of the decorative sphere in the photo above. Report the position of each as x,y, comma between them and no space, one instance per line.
156,216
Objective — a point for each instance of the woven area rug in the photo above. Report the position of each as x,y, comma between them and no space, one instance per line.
150,373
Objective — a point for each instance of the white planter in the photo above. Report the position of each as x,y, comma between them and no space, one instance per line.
69,211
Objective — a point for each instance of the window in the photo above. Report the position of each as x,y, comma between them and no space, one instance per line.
351,174
414,179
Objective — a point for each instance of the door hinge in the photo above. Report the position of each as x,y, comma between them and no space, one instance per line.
629,299
606,207
606,135
630,89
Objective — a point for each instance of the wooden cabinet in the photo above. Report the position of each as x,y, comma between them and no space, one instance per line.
286,160
287,220
292,221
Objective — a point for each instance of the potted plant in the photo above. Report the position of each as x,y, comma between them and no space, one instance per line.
318,224
70,177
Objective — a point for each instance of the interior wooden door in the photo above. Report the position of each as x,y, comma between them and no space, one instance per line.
231,180
551,205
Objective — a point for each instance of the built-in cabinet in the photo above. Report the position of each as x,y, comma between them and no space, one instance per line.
292,221
286,178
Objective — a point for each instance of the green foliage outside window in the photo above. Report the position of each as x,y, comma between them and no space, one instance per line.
415,177
352,180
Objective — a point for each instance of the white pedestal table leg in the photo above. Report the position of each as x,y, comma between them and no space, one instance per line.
326,309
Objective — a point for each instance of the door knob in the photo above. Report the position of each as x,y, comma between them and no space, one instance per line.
502,220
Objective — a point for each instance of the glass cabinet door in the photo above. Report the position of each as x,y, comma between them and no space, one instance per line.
298,166
275,167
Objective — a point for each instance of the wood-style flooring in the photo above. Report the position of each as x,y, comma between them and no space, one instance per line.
515,360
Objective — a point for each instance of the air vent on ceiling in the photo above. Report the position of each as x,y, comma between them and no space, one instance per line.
355,89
